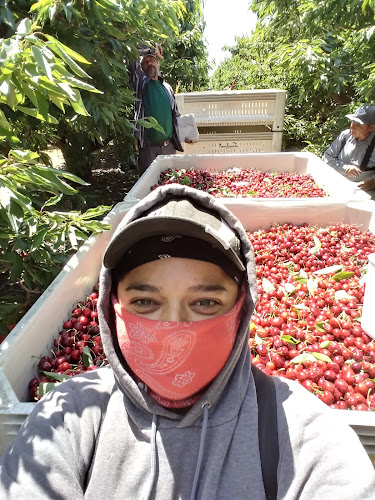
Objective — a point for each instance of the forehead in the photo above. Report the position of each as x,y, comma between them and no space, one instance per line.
177,270
148,59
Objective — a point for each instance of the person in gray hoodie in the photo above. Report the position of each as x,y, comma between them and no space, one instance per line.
176,414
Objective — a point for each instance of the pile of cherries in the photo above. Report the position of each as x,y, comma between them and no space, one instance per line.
77,349
245,183
306,326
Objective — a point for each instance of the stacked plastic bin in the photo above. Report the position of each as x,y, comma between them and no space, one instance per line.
243,121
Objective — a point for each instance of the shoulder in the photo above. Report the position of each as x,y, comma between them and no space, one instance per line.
306,421
166,85
296,402
343,136
315,442
87,392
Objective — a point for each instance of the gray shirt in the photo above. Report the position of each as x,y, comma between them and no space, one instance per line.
352,153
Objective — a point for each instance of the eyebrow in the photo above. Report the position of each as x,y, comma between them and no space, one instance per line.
143,287
208,288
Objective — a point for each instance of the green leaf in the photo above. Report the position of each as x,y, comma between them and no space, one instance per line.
53,200
86,357
55,47
328,270
60,377
4,122
73,237
77,103
289,288
300,306
151,122
325,344
320,327
45,387
302,358
65,49
35,113
17,269
303,274
342,295
38,239
82,85
344,275
290,339
322,357
312,286
42,62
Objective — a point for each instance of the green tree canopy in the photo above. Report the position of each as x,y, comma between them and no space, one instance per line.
186,66
321,52
103,34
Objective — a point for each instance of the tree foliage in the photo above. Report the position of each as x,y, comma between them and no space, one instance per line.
321,52
186,66
104,35
35,241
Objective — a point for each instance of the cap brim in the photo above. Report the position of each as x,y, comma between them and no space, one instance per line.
144,228
355,119
149,55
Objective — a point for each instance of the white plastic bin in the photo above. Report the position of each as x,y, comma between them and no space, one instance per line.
337,187
32,338
235,107
234,142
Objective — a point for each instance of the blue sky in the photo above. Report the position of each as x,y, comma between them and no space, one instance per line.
225,19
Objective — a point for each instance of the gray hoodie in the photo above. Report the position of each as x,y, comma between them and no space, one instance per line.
100,435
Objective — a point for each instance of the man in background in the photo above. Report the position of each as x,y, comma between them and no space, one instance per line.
155,98
352,152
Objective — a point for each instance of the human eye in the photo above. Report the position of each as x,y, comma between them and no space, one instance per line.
207,306
206,303
143,305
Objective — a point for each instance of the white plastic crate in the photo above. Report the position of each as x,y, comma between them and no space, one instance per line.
235,107
32,337
336,186
235,142
367,320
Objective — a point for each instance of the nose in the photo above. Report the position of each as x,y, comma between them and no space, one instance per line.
175,312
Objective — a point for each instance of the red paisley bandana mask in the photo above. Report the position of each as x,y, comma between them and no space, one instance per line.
176,360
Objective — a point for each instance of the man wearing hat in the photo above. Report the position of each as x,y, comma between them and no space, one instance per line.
352,152
155,98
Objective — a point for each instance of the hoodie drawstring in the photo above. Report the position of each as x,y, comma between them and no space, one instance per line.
205,407
153,455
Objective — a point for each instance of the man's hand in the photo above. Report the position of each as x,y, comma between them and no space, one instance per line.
159,51
351,170
189,141
367,184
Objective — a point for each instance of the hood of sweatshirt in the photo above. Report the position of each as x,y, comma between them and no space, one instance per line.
144,406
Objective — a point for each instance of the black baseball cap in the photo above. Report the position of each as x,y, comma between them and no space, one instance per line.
175,216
